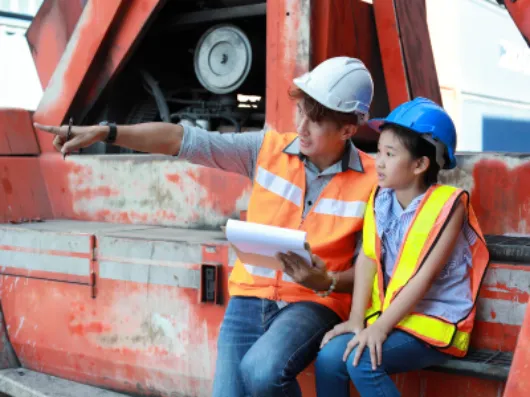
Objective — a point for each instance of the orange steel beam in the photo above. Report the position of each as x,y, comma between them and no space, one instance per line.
80,51
520,12
49,33
288,56
518,384
406,50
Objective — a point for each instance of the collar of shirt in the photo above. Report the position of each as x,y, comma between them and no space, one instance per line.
350,159
389,194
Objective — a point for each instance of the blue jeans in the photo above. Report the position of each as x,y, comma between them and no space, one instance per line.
401,353
261,349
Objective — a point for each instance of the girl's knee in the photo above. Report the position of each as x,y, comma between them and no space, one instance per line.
329,358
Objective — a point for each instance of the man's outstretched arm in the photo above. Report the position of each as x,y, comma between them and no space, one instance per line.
163,138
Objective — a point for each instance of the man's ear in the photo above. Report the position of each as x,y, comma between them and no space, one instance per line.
348,131
422,165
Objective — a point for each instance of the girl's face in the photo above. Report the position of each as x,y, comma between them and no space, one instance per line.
396,168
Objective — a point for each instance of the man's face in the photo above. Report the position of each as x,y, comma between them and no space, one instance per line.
318,138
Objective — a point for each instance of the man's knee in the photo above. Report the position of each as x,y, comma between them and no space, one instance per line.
261,377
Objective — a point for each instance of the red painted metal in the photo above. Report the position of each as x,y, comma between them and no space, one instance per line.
288,56
143,189
347,28
87,38
518,384
16,133
500,194
520,12
391,52
119,44
23,195
50,32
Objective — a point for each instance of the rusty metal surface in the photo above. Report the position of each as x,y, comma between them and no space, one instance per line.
70,72
144,332
16,133
518,382
288,56
49,33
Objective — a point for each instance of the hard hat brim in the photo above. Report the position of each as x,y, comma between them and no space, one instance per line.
377,125
300,83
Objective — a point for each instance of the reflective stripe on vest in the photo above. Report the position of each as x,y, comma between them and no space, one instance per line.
280,186
331,225
433,330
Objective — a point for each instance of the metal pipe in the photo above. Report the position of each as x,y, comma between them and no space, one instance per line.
157,93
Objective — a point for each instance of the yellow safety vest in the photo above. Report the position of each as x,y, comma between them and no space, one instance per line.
429,222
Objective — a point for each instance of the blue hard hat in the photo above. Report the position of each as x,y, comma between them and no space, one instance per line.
424,117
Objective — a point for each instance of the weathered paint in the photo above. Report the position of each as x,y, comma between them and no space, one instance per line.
23,195
518,384
143,189
145,330
500,190
71,70
288,56
49,33
17,136
162,190
140,334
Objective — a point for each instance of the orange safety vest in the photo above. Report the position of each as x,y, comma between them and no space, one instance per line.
428,223
277,199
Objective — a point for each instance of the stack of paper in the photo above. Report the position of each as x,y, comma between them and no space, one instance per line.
257,244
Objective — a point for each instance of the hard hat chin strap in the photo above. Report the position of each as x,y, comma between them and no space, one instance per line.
440,149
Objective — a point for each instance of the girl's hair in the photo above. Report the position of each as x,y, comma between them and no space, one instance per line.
418,148
317,112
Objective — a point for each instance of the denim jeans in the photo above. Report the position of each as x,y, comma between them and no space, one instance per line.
261,349
401,353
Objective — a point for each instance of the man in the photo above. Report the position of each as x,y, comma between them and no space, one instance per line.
316,181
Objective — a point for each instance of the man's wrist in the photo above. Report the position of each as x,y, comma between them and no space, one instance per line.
103,132
331,283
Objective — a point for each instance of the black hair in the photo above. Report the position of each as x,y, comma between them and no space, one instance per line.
418,147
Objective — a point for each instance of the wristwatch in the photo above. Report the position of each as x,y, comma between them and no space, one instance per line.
113,131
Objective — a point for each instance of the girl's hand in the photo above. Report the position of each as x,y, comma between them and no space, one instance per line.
354,326
373,337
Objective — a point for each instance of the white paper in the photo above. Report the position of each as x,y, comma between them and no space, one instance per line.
266,240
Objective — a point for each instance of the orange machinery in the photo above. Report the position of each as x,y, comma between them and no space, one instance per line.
113,269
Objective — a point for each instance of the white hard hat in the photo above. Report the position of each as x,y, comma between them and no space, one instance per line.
343,84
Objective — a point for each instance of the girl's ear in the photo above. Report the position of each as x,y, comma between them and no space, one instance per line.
421,165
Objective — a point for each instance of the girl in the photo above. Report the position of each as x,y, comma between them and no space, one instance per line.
418,274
